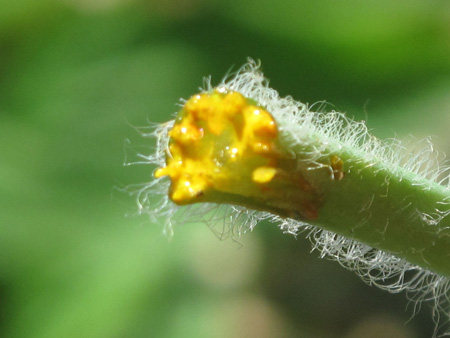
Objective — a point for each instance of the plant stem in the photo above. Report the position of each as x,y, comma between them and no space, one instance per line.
387,211
226,149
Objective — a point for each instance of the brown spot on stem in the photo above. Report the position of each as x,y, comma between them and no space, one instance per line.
337,165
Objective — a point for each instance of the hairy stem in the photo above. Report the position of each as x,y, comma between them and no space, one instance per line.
225,148
389,211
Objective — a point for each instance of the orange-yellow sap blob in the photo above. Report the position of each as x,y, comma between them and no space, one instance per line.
218,138
225,149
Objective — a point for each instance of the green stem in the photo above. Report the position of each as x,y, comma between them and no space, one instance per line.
387,211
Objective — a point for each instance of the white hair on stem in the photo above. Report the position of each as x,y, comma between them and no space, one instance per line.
336,131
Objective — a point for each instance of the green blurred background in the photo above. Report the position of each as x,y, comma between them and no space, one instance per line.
76,75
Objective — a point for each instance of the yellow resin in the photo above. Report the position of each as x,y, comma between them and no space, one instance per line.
225,149
263,174
214,131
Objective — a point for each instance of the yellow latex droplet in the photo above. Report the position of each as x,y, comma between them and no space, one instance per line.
160,172
219,138
263,174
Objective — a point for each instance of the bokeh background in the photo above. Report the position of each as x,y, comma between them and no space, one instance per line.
76,76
